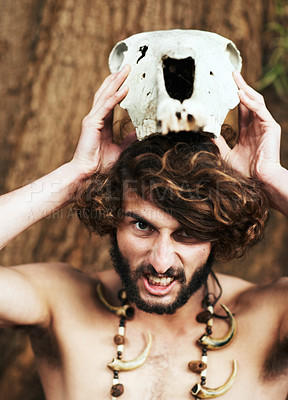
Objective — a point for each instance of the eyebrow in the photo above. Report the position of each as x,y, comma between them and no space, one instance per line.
137,217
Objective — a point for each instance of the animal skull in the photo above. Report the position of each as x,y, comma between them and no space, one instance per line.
179,80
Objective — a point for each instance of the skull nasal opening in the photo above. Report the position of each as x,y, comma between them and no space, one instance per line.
179,77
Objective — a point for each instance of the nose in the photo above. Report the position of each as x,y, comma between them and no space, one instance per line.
162,255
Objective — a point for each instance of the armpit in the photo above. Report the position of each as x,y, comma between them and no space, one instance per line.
44,345
276,363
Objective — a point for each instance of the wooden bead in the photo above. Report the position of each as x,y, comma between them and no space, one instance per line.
197,366
204,316
117,390
119,339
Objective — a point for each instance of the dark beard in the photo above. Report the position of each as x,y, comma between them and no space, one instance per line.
129,281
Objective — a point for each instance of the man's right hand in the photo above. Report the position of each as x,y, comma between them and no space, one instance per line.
96,149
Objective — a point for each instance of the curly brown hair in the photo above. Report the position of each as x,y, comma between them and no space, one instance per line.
185,176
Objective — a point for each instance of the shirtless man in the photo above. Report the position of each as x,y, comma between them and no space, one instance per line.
72,331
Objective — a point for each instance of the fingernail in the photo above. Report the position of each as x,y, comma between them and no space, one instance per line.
241,92
237,75
123,89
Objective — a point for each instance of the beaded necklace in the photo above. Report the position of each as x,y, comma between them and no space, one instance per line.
206,341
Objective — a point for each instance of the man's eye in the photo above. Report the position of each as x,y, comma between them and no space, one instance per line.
142,226
185,236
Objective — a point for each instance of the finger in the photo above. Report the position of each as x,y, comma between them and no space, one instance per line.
108,89
107,131
248,90
130,138
120,78
222,146
244,116
258,107
250,101
102,88
108,104
111,85
101,121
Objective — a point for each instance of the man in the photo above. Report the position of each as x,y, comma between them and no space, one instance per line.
164,259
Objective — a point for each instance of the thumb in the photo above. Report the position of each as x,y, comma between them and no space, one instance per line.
130,138
222,146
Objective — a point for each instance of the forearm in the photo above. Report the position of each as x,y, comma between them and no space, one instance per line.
95,150
277,190
25,206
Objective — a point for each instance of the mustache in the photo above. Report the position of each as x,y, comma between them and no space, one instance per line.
172,272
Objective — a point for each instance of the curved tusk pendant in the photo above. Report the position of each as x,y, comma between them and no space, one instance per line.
119,365
200,392
213,344
125,311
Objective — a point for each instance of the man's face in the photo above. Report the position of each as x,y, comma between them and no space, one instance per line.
160,264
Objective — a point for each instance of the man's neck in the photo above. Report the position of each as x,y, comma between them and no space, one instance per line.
188,312
171,322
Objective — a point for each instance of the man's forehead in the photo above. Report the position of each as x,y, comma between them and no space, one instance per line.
146,209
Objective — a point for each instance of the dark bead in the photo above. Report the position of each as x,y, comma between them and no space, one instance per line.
122,322
204,316
119,355
130,312
117,390
203,380
209,330
116,374
119,339
204,352
194,389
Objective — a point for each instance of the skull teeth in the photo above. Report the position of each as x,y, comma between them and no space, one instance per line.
157,281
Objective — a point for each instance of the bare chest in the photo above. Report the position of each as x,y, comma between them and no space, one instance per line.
83,372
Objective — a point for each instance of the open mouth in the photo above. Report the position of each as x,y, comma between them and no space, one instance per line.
159,286
157,281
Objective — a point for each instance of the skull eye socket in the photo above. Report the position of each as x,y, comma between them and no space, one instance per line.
179,77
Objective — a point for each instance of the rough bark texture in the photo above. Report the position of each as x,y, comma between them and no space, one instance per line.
53,57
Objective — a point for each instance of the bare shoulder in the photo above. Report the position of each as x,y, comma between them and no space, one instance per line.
67,279
238,289
46,272
268,300
55,280
234,287
269,294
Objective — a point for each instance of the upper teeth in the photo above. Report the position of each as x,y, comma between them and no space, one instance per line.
159,281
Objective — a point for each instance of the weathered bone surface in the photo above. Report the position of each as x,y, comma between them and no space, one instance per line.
180,80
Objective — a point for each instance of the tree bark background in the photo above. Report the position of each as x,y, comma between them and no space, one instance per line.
53,57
